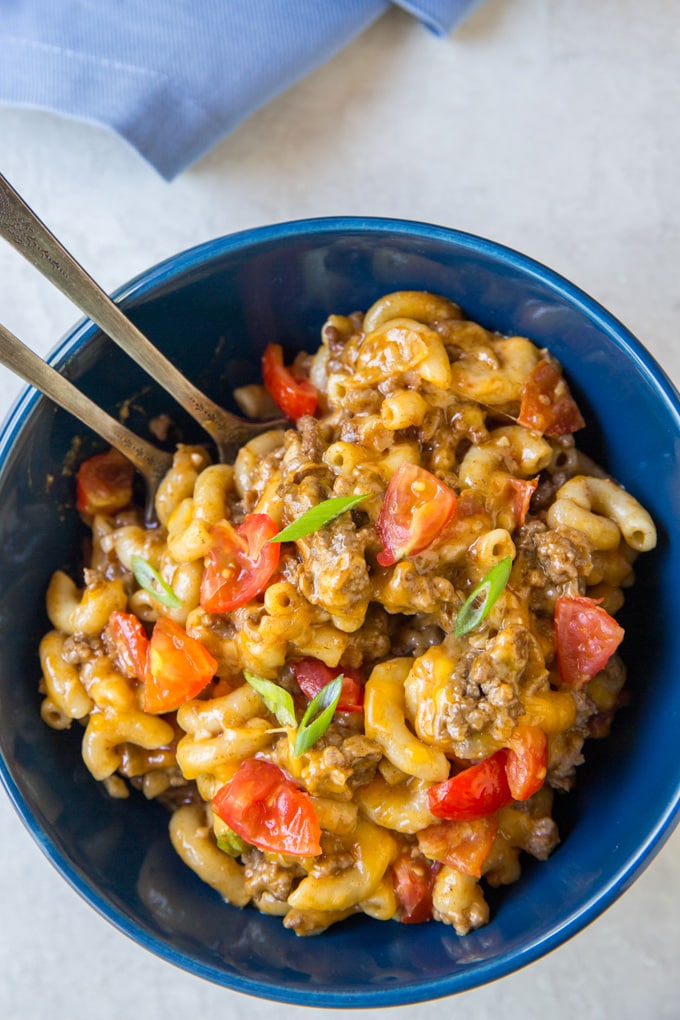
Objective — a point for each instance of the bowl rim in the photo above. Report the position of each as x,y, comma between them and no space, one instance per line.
475,974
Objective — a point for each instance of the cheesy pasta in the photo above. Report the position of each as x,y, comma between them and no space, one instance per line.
358,664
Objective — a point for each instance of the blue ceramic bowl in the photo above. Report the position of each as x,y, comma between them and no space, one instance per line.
212,309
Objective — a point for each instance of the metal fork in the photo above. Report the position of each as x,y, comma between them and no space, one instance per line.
151,462
20,226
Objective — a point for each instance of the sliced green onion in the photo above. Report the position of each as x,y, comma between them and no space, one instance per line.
150,580
481,599
231,844
318,517
317,718
277,699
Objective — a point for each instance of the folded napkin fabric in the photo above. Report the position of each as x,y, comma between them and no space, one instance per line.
174,78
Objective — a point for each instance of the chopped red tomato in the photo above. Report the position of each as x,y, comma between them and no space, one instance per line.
546,405
473,793
104,483
463,845
413,877
295,396
416,508
527,762
239,563
267,809
510,500
586,637
131,643
521,491
313,674
179,667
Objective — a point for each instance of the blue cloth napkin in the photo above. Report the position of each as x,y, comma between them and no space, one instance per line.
173,78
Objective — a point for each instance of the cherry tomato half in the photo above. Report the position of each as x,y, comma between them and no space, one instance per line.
295,396
463,845
179,667
239,563
527,762
413,877
313,674
416,508
547,405
104,483
131,643
473,793
267,809
586,637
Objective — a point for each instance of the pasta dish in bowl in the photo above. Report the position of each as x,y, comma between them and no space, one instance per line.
384,709
357,663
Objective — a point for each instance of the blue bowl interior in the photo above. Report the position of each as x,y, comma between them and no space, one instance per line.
212,310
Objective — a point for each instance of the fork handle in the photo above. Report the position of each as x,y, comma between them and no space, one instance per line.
20,226
151,463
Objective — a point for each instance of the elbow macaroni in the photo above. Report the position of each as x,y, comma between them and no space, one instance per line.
412,382
604,512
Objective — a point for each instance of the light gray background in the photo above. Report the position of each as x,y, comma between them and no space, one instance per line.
546,125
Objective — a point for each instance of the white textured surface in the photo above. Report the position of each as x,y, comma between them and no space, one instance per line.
549,126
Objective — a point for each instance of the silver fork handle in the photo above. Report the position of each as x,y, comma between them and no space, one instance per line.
151,463
20,226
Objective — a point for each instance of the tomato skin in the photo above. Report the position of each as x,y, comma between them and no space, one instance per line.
416,508
477,791
294,396
268,810
104,483
132,645
413,876
313,674
463,845
239,563
527,762
586,637
512,773
546,404
179,667
521,491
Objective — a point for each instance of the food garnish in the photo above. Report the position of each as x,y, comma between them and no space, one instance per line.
318,517
481,599
318,716
148,578
276,698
